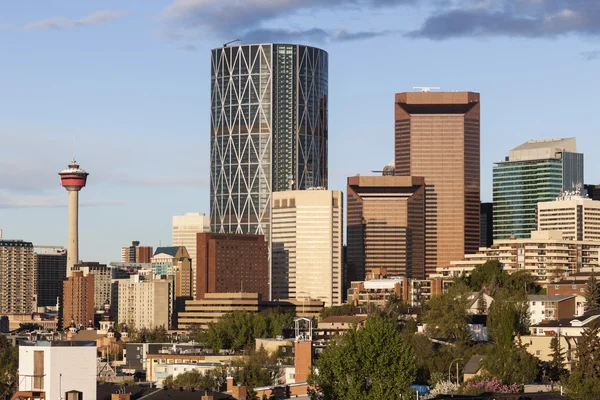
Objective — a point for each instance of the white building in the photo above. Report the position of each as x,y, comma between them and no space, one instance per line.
551,307
161,371
145,303
576,216
185,228
61,369
306,245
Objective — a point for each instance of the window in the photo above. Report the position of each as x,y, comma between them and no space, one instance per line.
581,290
538,352
73,395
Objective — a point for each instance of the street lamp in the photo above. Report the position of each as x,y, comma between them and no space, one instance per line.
450,367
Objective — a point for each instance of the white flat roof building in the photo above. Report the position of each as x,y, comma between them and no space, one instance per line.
61,369
577,217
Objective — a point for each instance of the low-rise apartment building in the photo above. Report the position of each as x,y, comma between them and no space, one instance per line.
550,307
546,255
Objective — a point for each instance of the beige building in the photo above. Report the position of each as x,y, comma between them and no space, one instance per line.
17,277
214,305
306,245
185,228
546,255
102,281
577,217
145,303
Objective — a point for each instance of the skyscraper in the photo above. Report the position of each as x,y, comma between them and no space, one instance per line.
102,281
306,245
17,277
437,138
268,130
51,270
486,225
386,225
536,171
73,179
136,253
577,217
185,229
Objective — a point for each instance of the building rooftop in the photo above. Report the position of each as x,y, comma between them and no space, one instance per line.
549,297
581,321
542,149
171,250
474,364
59,343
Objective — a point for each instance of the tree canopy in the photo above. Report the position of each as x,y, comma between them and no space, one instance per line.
9,364
371,362
239,329
592,295
447,315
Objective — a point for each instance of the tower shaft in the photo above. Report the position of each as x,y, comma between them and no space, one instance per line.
73,234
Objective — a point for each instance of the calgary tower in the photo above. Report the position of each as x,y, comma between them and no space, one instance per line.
73,179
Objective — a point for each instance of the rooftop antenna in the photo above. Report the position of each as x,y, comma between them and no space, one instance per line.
73,148
233,41
426,88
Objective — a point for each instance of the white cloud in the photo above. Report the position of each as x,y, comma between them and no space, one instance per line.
95,18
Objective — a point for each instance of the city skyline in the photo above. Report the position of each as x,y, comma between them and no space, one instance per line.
144,94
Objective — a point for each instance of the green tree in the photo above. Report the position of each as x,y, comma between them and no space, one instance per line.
29,327
447,315
482,276
511,365
372,362
557,361
481,303
168,382
584,381
256,369
508,316
337,311
591,295
9,364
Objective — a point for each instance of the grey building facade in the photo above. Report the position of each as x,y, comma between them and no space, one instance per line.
268,130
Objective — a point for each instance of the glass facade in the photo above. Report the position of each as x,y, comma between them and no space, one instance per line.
519,185
268,130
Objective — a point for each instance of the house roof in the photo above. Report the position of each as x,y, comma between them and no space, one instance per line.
580,321
170,250
474,364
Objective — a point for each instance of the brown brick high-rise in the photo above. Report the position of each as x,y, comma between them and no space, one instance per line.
385,226
230,262
437,137
78,299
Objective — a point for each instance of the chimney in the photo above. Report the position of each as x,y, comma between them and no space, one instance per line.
229,383
208,397
239,392
120,396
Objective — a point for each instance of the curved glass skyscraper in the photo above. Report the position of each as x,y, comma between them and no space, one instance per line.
268,130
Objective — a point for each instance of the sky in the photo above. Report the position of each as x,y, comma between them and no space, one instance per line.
125,84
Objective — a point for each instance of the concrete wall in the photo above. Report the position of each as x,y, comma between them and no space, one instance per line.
65,369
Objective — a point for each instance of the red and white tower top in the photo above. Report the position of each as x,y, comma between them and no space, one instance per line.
73,178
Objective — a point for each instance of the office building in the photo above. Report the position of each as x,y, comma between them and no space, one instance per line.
17,277
175,261
50,264
78,299
57,370
102,279
591,191
136,253
486,224
386,226
577,217
229,262
268,130
185,228
437,138
306,245
536,171
214,305
73,179
145,302
546,255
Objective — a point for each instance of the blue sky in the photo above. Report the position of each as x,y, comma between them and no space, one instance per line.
130,82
